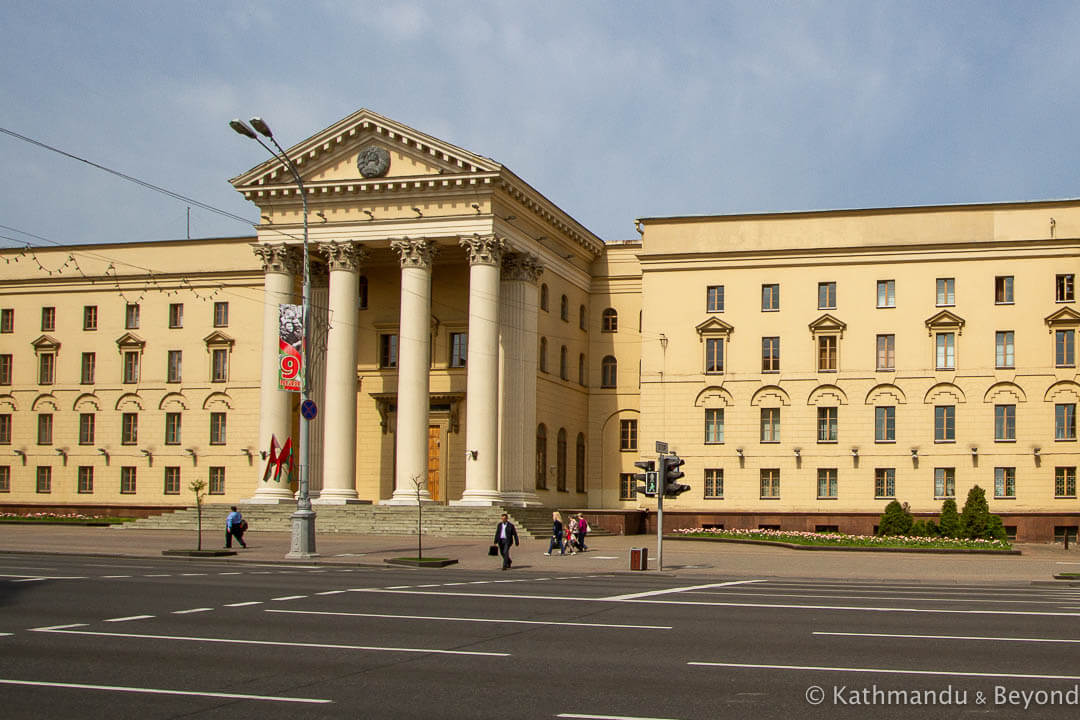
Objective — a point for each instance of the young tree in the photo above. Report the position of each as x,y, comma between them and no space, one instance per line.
896,520
976,520
419,483
199,488
949,524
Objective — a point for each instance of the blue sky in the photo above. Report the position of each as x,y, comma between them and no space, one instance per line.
614,110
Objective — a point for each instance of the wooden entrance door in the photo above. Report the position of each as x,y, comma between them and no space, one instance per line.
433,462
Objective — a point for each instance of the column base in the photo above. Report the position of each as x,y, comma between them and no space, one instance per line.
479,498
335,496
521,499
405,497
271,496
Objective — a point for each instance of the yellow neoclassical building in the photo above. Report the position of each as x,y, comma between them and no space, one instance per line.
473,343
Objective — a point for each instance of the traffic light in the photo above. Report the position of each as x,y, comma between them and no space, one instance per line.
669,468
649,466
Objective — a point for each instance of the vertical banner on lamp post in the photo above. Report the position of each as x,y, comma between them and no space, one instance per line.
290,340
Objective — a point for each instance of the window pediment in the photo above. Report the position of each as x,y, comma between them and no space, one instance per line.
714,327
218,339
46,343
945,321
130,341
827,325
1066,317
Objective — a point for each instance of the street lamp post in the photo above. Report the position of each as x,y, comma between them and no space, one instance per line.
303,520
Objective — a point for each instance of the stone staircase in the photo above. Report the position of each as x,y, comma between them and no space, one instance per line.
439,520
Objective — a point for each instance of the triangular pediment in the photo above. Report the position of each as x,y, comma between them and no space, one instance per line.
1064,316
945,320
827,324
130,340
714,326
46,342
330,156
218,338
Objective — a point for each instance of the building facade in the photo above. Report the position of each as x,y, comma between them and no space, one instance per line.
474,344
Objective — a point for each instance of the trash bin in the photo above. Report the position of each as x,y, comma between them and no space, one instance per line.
639,558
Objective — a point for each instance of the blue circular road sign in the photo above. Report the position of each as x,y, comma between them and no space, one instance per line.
309,409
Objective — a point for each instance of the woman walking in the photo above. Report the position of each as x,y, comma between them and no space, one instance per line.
557,536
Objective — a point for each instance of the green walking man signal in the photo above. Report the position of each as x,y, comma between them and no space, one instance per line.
650,478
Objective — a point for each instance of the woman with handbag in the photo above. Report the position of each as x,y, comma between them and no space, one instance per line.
557,536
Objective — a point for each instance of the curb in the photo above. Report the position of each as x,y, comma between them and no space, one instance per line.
836,548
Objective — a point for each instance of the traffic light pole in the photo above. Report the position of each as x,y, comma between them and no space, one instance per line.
660,516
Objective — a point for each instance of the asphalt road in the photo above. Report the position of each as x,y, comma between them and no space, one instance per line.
148,638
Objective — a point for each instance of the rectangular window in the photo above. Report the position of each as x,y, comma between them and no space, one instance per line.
945,423
1064,288
826,483
127,480
131,366
176,315
627,486
86,479
827,352
89,317
714,426
944,483
5,429
172,428
946,351
172,480
1004,482
220,365
44,479
48,319
221,314
1064,348
44,429
886,352
388,347
770,354
46,368
885,424
5,478
714,299
1065,482
827,424
1004,350
87,366
714,483
826,296
459,349
1065,421
884,482
770,483
770,425
176,359
131,316
217,481
714,355
86,428
129,429
1004,423
7,320
770,297
627,435
217,428
1003,290
5,369
946,292
886,293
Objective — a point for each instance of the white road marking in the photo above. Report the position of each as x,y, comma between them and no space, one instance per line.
877,597
606,717
650,593
114,577
947,637
159,691
37,578
889,671
437,584
603,557
398,587
192,610
1059,562
191,574
57,627
289,597
235,641
480,582
244,604
4,634
159,575
261,572
478,620
230,573
330,592
129,617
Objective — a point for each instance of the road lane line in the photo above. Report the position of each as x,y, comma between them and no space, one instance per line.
113,577
280,643
603,557
888,671
607,717
4,634
160,691
398,587
192,610
230,573
947,637
191,574
38,578
289,597
50,628
878,597
478,620
244,604
650,593
159,575
129,617
331,592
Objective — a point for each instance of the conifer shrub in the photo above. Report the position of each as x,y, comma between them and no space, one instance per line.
896,520
949,522
924,528
975,517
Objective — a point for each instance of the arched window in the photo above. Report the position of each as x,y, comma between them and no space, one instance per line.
564,371
543,297
541,457
560,460
581,320
361,292
579,464
609,371
543,354
581,369
610,320
564,309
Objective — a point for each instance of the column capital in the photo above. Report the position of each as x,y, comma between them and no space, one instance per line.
418,253
343,255
483,249
279,257
521,266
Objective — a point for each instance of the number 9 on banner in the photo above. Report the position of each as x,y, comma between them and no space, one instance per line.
290,367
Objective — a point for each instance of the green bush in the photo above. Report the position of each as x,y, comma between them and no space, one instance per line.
997,529
949,522
924,528
975,517
896,520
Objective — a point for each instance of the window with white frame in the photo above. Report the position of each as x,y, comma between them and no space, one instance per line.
714,483
1065,421
884,482
1004,349
714,426
217,428
770,297
714,354
827,425
946,292
1065,348
1065,482
826,294
1004,423
826,483
714,299
886,352
459,349
944,483
770,425
886,293
770,483
1005,482
946,351
885,424
770,354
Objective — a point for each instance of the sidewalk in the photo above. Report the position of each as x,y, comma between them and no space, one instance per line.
606,554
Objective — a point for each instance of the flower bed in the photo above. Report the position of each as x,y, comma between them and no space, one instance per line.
794,537
62,518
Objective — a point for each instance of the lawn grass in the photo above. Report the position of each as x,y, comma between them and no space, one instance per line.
791,537
56,519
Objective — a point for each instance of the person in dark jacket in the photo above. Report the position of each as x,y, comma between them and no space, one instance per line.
558,537
506,533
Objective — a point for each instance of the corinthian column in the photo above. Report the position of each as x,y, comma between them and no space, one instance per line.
414,364
339,407
517,379
280,265
482,374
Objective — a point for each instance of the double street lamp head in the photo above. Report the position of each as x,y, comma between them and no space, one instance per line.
244,129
